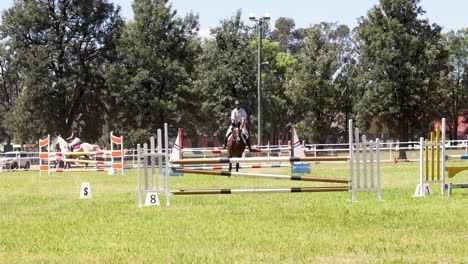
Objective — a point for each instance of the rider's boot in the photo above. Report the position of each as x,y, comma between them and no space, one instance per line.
247,140
226,140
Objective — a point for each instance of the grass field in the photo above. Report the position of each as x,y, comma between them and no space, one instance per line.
42,220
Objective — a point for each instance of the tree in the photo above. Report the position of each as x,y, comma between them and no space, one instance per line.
153,80
401,68
316,86
9,87
227,71
60,47
287,36
283,33
275,104
457,94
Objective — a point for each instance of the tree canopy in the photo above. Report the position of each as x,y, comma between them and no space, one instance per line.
152,80
77,64
226,72
402,64
59,48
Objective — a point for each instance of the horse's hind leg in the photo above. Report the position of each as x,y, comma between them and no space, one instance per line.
230,167
237,167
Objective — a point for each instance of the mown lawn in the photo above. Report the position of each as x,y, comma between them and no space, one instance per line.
42,220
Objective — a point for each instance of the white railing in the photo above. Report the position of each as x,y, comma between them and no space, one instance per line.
392,148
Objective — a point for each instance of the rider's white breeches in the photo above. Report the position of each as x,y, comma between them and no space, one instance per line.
244,131
75,141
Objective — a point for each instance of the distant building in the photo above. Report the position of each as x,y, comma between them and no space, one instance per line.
378,130
462,131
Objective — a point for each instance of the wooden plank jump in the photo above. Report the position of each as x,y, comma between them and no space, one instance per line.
257,175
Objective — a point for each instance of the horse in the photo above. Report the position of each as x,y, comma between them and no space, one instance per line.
235,146
63,146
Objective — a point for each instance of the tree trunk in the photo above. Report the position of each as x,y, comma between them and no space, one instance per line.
403,131
455,128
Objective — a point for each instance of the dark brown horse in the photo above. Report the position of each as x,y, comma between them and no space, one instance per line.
235,146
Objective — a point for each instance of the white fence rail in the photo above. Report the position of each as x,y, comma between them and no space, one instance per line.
391,147
460,146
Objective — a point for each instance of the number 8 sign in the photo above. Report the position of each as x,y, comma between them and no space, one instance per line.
152,199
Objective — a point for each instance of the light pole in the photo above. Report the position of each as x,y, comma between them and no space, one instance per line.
259,23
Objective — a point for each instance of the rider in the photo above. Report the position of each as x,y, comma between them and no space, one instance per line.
75,140
238,119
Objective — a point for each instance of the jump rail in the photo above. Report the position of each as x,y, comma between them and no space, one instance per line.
257,175
256,159
277,190
241,166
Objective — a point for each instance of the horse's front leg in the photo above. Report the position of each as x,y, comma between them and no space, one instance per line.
237,167
230,167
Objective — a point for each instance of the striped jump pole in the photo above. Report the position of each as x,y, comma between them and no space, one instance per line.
272,176
98,162
204,151
462,157
224,151
242,166
79,170
270,150
80,153
278,190
256,159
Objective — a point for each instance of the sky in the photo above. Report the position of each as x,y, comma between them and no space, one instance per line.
450,14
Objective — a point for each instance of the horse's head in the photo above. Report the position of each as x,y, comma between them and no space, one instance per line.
236,134
235,144
60,144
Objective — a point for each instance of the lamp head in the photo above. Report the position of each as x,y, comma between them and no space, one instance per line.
267,16
252,16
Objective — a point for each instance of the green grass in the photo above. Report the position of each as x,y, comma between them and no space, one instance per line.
42,220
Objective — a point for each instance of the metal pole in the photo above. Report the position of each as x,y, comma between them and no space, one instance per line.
260,33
